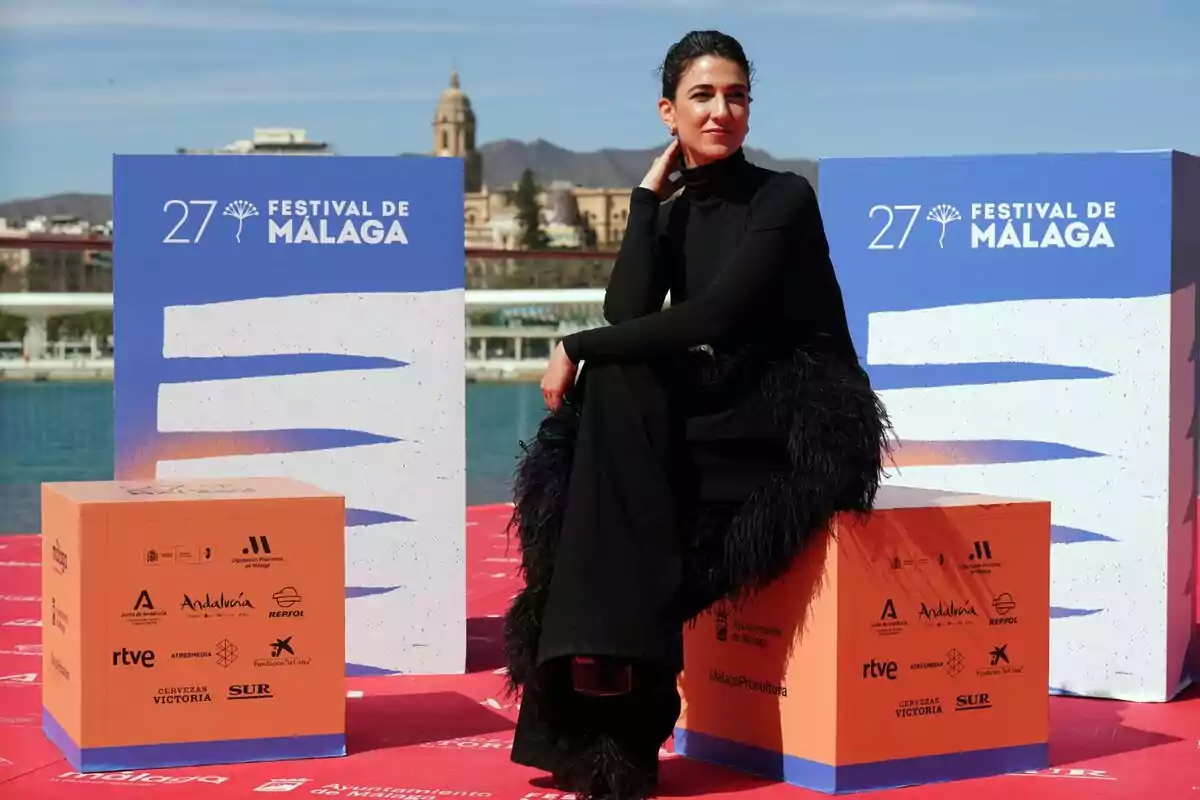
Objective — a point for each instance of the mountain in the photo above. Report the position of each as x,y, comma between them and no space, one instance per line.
93,208
503,163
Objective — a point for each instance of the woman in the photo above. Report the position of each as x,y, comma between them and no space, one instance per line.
702,446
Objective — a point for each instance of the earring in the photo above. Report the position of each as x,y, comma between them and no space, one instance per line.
674,131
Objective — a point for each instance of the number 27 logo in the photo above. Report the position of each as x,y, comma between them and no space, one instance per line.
943,214
889,214
185,207
240,210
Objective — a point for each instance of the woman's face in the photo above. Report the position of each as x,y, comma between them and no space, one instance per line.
711,110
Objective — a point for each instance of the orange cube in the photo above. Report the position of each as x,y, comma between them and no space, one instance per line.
167,604
909,648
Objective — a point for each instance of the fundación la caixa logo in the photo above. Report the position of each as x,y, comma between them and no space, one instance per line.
995,225
290,221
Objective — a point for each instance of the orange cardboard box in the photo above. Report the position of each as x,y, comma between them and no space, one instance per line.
907,648
169,606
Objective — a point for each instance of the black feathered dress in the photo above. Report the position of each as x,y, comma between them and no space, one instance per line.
701,447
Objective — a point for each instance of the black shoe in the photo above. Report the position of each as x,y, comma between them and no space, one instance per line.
601,676
569,782
598,787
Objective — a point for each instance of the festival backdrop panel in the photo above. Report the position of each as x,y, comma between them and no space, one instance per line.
1031,336
303,318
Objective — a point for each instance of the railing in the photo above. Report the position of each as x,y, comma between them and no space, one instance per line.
64,284
518,305
58,263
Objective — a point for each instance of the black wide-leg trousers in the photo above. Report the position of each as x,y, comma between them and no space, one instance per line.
632,559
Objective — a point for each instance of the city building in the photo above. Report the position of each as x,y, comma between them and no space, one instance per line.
269,141
572,216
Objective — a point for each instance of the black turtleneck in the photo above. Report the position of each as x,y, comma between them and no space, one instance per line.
744,255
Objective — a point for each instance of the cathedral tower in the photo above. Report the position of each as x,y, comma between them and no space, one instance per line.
454,133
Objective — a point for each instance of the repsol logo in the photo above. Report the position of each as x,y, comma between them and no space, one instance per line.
289,614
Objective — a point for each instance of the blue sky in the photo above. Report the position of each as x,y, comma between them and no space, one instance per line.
82,79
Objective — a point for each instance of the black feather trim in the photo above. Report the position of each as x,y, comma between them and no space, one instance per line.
539,493
838,437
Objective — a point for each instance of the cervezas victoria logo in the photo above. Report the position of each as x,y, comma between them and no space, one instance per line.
218,605
178,695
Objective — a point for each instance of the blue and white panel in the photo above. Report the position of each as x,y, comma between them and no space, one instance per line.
303,317
1016,312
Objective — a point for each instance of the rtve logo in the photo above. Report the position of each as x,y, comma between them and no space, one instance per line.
130,658
880,669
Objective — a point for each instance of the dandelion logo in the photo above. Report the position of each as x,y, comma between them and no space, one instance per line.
943,214
241,210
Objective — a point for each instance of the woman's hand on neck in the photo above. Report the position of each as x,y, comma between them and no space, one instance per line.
658,177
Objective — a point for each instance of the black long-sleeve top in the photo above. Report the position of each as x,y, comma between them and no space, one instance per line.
744,254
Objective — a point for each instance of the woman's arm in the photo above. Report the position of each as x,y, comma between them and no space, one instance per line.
784,223
638,284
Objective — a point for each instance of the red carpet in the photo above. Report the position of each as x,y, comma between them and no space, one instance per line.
425,738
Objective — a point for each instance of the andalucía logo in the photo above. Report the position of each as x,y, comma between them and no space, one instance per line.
219,605
947,612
